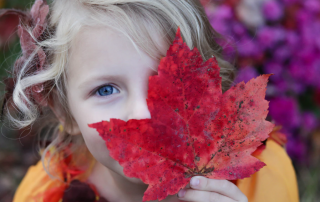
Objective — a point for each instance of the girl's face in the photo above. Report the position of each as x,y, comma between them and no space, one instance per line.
107,78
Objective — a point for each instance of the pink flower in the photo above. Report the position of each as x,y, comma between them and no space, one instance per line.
8,25
37,22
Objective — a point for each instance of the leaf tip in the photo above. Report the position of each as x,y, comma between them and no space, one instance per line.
91,125
178,34
95,125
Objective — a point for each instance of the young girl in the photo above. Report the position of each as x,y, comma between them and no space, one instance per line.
90,60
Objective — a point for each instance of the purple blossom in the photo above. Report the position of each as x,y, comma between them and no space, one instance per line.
309,121
248,47
282,86
297,70
219,18
315,31
246,74
272,10
220,26
239,29
303,17
306,54
296,149
312,5
271,90
229,49
275,68
292,40
284,111
309,32
224,12
316,74
290,2
307,69
297,87
286,43
313,72
282,53
268,37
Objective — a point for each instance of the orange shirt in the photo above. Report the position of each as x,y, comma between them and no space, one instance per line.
276,182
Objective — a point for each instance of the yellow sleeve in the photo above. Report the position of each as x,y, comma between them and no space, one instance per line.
34,183
38,186
275,182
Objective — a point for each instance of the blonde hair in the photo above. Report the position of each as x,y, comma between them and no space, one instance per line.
134,18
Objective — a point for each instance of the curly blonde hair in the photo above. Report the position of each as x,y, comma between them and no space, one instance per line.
134,18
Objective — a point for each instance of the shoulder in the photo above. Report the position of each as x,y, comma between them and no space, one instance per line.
276,181
38,186
34,183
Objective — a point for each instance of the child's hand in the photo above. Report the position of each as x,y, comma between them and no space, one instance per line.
209,190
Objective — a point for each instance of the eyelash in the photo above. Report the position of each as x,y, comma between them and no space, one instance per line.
96,92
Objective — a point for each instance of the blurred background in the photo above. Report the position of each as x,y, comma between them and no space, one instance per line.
262,36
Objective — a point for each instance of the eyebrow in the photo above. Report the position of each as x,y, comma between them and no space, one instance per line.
99,78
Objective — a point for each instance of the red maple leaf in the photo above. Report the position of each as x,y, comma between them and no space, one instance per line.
194,129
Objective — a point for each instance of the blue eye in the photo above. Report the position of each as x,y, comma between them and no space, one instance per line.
107,90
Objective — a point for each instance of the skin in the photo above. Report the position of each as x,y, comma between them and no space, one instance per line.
101,57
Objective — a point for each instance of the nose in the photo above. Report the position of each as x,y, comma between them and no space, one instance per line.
137,108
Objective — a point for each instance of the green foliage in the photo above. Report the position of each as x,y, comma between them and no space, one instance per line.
20,4
7,59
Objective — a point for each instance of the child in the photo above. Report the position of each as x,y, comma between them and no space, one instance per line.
92,63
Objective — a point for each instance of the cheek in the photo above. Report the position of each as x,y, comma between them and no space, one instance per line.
96,146
85,114
98,149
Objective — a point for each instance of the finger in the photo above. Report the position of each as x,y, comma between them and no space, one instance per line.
223,187
202,196
187,186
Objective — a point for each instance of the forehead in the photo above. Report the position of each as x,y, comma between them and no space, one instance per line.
104,50
93,42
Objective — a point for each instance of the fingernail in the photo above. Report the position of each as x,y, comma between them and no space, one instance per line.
195,181
181,193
